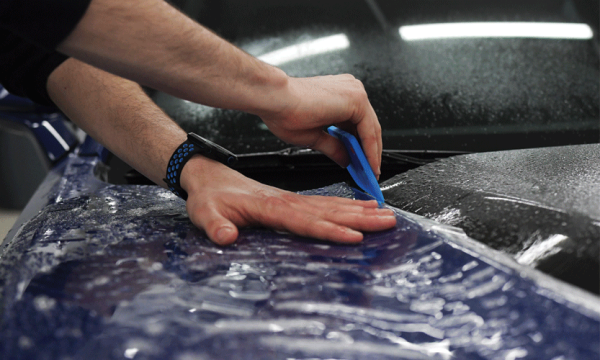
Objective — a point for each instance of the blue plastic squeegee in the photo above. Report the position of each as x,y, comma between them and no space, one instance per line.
359,167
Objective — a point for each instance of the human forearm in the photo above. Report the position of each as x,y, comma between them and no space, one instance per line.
152,43
117,113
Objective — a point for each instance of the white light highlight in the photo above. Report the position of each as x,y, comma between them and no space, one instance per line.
56,135
306,49
540,250
524,202
538,30
130,353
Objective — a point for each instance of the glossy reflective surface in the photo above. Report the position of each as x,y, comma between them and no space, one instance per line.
478,93
119,272
539,205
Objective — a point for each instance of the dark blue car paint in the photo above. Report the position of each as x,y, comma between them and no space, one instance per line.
47,125
99,271
111,272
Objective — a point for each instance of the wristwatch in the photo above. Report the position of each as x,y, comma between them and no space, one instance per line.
195,144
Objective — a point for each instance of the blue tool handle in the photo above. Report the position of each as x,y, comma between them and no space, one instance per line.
359,167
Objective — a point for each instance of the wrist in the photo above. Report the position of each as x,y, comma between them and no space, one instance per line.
273,93
186,152
197,172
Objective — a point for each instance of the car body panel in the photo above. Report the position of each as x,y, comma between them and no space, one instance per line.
96,270
32,139
45,123
469,94
540,205
112,271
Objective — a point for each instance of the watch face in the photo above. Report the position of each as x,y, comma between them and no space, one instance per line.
213,151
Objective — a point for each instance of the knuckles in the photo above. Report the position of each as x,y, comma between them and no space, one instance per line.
273,203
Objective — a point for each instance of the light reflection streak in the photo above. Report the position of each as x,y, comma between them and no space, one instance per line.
540,250
56,135
130,353
272,326
524,202
402,349
387,187
348,312
306,49
539,30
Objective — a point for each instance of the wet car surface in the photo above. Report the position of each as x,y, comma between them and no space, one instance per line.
466,94
113,272
437,97
506,266
539,205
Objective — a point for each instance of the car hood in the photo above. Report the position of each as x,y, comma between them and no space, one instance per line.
539,205
105,272
476,93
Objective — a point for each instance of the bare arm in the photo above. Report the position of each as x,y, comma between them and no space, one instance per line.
118,113
150,42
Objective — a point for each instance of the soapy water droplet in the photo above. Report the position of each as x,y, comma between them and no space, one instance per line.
469,266
340,336
190,356
130,353
25,342
44,303
431,307
101,280
514,354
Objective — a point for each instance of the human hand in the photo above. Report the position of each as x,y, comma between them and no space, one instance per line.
220,200
309,104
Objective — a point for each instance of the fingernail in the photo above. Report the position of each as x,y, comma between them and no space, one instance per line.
224,234
382,211
343,166
358,236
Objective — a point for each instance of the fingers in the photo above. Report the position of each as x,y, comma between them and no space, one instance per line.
305,224
221,200
320,217
369,131
354,215
377,127
322,101
367,220
220,230
332,148
364,123
326,218
345,201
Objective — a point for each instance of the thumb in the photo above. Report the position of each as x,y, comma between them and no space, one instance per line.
332,148
219,229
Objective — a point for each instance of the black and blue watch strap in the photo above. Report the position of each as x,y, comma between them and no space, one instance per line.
195,144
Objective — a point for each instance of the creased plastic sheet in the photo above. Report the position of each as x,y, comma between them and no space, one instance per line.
121,273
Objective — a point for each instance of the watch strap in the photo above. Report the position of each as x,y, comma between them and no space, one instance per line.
180,157
194,144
